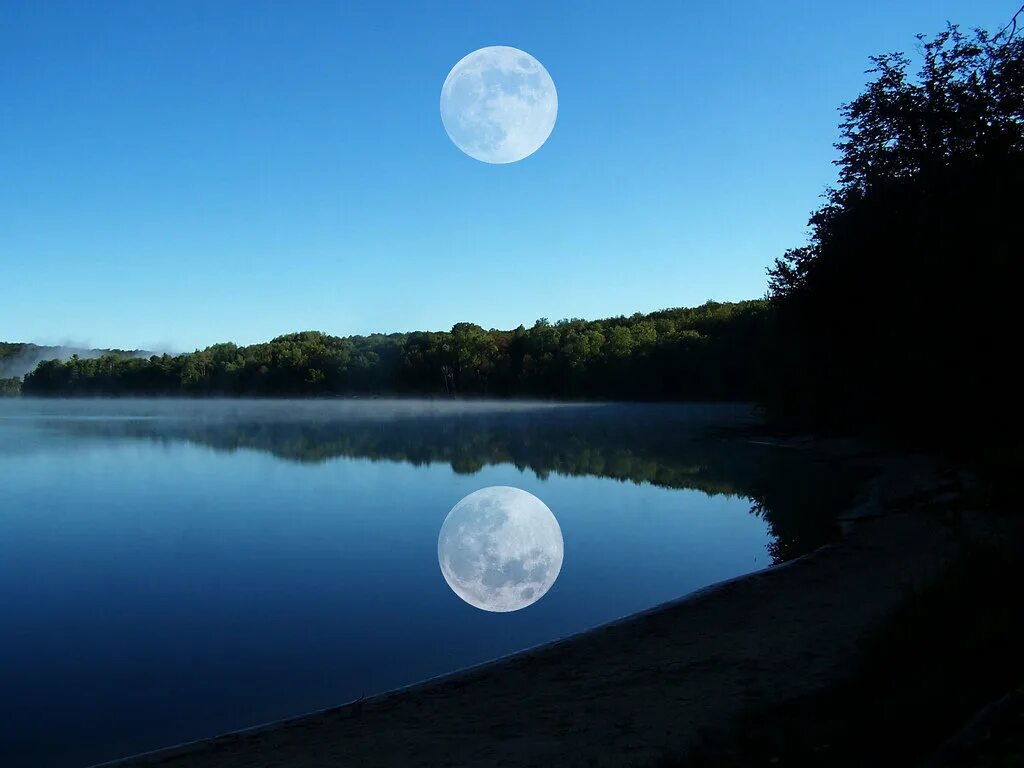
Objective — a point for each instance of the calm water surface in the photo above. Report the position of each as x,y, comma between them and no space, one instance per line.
174,569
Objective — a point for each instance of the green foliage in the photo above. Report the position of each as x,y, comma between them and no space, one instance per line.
17,359
709,352
10,387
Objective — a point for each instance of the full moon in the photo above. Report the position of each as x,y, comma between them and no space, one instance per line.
500,549
499,104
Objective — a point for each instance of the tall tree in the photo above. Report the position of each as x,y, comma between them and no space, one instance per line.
899,312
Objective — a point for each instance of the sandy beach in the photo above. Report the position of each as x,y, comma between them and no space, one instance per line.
646,687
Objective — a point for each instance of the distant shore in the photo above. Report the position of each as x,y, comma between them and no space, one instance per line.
647,686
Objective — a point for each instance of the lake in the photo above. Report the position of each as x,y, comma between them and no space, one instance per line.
174,569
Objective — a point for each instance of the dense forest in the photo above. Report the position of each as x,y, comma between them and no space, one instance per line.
716,351
9,386
901,312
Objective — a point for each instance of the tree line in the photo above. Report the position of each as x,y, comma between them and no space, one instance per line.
714,351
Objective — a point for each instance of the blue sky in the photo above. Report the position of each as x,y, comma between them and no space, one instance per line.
174,174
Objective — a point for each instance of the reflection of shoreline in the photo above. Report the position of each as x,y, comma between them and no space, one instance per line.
695,447
639,688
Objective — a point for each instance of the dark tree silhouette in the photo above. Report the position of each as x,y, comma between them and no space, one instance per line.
900,312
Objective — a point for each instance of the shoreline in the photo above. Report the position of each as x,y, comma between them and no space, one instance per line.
702,593
454,676
643,686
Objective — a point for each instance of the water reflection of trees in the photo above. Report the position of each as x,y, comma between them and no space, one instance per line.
796,492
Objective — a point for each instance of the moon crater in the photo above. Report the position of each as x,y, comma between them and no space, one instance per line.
499,104
500,549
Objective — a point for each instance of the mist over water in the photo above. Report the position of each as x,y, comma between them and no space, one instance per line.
173,569
689,416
